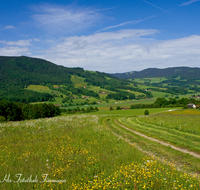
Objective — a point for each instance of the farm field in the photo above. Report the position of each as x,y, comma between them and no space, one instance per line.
95,152
39,88
151,80
78,81
132,112
159,94
187,138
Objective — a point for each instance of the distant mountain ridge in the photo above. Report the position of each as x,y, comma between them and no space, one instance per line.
173,72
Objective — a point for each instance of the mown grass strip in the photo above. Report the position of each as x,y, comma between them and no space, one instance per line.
174,137
153,148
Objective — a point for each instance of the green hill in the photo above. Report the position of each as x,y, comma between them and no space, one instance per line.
17,73
174,72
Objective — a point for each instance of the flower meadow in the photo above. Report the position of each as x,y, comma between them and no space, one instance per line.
78,152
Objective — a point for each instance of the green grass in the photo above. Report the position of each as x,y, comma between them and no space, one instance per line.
78,81
39,88
151,147
98,88
113,103
133,112
82,152
151,80
167,134
182,120
134,92
159,94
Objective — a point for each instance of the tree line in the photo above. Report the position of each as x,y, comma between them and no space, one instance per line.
13,111
162,103
80,110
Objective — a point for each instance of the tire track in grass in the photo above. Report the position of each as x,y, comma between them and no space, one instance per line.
179,166
160,142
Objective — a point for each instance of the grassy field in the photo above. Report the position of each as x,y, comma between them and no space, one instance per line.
134,92
39,88
181,120
80,152
126,104
151,80
133,112
159,94
78,81
179,127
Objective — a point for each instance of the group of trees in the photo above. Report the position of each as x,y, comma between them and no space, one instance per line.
13,111
122,95
78,91
162,102
24,96
78,110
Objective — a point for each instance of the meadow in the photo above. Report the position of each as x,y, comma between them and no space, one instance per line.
78,81
39,88
82,152
181,120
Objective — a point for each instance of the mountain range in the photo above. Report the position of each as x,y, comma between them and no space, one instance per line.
173,72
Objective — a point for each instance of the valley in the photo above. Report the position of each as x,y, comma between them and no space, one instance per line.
82,129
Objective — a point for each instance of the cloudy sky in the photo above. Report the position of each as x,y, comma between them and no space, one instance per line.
103,35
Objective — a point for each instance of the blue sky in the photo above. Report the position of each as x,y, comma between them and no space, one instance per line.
103,35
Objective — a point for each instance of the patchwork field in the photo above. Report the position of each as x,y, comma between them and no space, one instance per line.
97,152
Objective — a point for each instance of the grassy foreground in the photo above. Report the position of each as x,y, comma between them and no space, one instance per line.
78,152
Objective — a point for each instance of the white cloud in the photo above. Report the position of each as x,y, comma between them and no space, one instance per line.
124,23
7,27
189,2
17,43
125,50
14,51
64,19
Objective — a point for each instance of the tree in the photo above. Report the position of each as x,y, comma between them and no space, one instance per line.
111,108
118,108
146,112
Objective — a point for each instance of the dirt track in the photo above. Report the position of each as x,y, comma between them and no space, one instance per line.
161,142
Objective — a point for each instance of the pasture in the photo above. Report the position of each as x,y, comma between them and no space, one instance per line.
39,88
94,152
151,80
78,81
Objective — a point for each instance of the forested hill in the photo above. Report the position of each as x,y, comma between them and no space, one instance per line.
16,73
183,72
25,70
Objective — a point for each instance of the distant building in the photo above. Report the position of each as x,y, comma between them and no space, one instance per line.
103,92
87,97
57,105
191,105
125,108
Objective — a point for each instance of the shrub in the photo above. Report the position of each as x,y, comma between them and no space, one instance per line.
118,108
146,112
2,119
111,108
